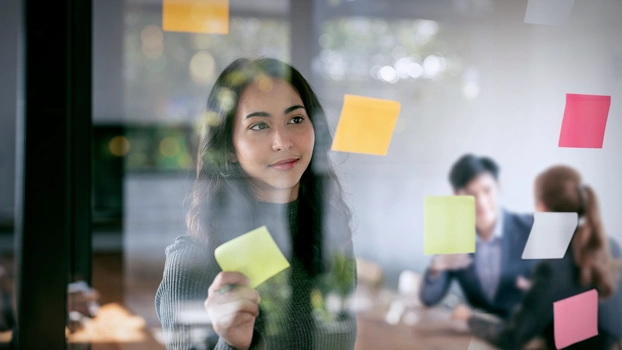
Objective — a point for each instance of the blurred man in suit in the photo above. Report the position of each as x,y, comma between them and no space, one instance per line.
591,264
493,278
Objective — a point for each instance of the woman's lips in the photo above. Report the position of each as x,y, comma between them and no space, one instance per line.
285,165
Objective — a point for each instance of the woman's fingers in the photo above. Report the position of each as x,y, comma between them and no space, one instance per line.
241,299
234,294
247,293
233,313
225,278
240,306
232,307
237,320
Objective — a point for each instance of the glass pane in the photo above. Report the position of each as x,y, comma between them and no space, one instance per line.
149,90
8,111
470,77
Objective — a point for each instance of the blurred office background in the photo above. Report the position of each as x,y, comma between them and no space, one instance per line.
470,75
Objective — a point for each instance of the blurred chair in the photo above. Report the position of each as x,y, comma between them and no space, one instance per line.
407,301
409,283
408,287
369,274
368,294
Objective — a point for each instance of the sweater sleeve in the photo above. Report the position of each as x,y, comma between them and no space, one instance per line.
188,273
435,288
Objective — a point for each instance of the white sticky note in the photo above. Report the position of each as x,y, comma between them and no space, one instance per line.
549,12
550,235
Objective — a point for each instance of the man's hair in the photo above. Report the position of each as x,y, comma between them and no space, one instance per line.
470,166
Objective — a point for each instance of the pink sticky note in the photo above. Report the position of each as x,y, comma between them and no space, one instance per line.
576,318
585,119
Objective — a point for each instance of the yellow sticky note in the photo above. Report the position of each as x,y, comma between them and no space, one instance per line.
254,254
196,16
366,125
449,225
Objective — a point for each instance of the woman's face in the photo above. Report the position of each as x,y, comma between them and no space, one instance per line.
273,139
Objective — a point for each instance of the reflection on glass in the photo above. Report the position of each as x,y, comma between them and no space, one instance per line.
263,162
454,69
390,50
167,73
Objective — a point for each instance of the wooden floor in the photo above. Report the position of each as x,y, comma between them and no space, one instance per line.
108,280
108,276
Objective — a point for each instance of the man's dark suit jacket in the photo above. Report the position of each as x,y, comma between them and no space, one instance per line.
514,235
553,280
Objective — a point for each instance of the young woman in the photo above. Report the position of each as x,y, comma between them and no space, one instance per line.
588,264
263,160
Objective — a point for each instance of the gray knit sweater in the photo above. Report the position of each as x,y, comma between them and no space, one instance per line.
293,314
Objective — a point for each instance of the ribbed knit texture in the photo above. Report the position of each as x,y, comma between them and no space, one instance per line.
286,319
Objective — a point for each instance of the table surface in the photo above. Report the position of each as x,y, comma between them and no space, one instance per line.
434,329
116,328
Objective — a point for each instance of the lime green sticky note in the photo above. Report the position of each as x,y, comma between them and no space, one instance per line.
449,225
254,254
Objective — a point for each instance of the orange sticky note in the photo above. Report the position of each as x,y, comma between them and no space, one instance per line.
366,125
576,318
196,16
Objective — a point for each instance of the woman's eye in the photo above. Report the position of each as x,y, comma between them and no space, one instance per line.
258,126
297,119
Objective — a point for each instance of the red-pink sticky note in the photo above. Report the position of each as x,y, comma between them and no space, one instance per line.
585,119
576,318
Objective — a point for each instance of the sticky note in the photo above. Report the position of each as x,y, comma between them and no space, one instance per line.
366,125
550,235
449,225
548,12
196,16
585,120
576,318
254,254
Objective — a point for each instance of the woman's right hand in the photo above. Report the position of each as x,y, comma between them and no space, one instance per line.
233,307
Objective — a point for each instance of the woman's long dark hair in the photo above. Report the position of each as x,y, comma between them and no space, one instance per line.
222,201
560,189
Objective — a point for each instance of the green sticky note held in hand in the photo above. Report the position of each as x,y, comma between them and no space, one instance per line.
449,225
254,254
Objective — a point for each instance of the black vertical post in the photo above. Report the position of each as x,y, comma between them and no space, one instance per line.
80,94
53,151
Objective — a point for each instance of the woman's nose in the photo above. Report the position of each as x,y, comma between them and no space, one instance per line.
282,140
